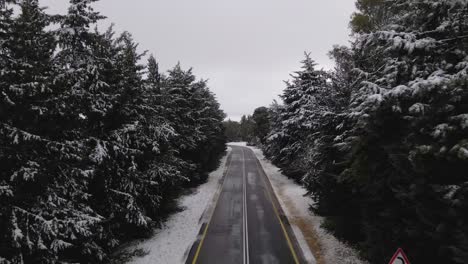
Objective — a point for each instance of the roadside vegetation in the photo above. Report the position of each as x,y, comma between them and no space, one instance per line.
380,142
252,129
95,145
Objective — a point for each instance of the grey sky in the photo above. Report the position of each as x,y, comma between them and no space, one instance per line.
246,48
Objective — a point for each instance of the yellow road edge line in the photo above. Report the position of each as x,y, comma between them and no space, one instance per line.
201,243
197,253
286,234
288,240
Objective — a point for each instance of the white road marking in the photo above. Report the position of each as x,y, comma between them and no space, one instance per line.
245,219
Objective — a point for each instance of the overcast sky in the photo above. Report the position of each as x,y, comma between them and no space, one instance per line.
246,48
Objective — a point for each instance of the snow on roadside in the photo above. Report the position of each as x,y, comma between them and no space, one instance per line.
172,243
241,144
326,249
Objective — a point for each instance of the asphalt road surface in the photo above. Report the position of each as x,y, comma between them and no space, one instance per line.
247,224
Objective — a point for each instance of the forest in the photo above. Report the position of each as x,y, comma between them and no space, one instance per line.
252,129
380,142
95,144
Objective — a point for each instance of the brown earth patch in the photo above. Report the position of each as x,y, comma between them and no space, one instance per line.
307,229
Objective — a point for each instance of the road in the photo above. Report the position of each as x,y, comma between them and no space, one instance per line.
247,224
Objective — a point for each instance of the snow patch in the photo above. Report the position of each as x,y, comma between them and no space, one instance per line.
463,153
418,109
463,119
99,154
400,91
6,191
241,144
171,243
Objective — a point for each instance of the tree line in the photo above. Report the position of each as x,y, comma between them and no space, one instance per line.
94,144
251,128
381,141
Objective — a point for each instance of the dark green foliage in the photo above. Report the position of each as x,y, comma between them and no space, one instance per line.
261,117
407,163
247,127
232,131
246,130
386,156
93,153
372,16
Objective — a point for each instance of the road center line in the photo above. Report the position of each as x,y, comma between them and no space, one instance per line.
244,205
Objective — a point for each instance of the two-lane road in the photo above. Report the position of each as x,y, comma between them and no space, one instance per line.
247,224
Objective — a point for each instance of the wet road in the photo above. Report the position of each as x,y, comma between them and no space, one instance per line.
247,224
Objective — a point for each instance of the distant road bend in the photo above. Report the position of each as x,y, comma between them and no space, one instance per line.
247,224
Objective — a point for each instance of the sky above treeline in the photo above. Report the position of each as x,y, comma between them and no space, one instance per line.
246,48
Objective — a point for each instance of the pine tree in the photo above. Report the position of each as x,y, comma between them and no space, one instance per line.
177,92
372,16
93,153
272,146
43,198
154,77
302,100
79,71
208,119
408,147
195,115
382,143
262,124
247,128
26,70
328,152
232,130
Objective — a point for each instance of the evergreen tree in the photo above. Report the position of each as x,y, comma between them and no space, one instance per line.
193,112
272,146
232,130
46,191
262,124
208,119
380,142
398,150
26,75
410,107
372,16
79,72
154,77
302,101
93,154
247,128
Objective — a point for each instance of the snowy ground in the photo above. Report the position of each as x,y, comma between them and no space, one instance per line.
325,248
241,144
172,243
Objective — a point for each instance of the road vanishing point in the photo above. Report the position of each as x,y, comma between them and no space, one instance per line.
247,224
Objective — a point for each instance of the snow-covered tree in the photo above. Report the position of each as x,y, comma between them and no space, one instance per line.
195,115
208,119
79,73
154,76
93,153
41,173
383,145
303,100
405,148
